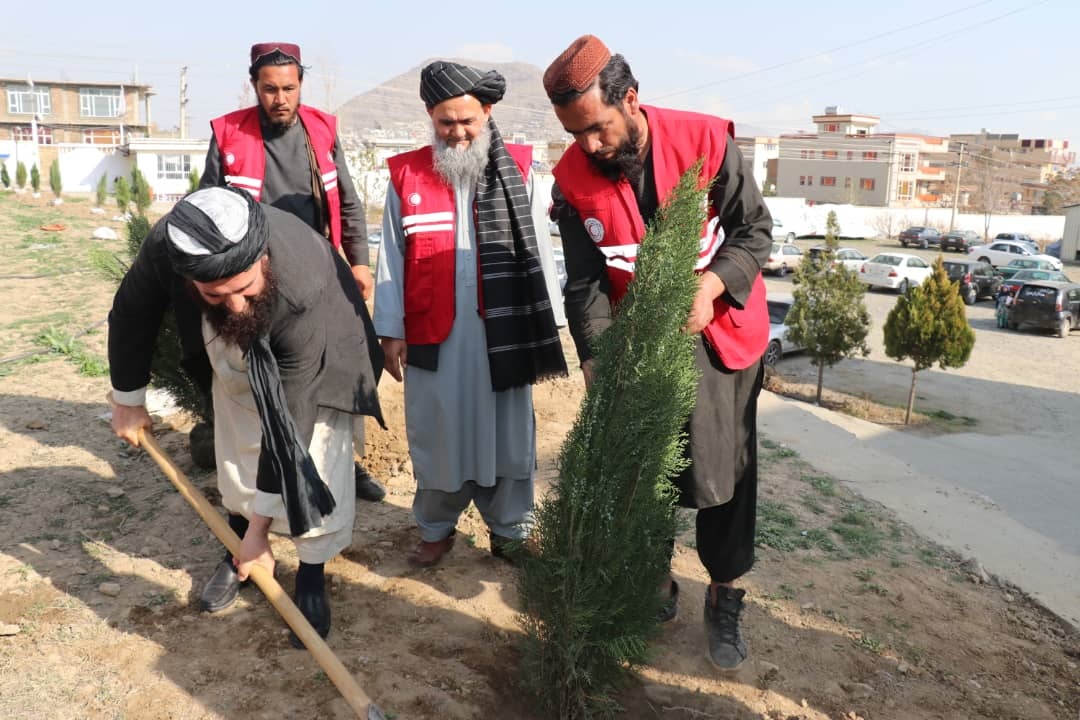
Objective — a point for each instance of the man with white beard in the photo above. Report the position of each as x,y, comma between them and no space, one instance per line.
464,291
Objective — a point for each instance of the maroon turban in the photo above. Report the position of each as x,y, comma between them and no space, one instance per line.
577,67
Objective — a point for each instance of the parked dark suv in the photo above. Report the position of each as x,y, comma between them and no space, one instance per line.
962,240
1048,305
924,237
976,279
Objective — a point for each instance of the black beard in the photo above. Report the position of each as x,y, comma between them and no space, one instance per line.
626,162
242,329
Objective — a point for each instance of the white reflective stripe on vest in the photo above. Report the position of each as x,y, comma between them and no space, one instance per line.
407,220
330,176
429,227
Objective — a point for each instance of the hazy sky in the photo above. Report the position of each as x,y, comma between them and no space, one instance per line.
935,66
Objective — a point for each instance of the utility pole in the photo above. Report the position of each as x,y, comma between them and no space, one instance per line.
956,191
183,102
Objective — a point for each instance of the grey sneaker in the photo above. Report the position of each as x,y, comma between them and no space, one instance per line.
727,650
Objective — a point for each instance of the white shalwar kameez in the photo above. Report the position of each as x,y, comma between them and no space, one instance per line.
466,441
237,438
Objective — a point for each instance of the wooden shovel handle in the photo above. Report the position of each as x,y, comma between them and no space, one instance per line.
328,661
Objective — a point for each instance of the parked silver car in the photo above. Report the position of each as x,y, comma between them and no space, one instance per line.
779,345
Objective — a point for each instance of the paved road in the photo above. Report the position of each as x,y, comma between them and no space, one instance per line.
1008,492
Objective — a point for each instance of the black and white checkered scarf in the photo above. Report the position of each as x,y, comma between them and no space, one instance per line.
522,339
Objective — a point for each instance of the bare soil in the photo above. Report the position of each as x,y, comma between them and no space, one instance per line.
850,614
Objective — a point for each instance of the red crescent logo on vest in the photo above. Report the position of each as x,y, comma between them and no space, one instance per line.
229,158
595,228
414,199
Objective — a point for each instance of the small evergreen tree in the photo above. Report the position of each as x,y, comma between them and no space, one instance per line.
140,191
123,194
102,190
35,178
193,180
591,587
55,184
4,177
828,318
20,175
929,325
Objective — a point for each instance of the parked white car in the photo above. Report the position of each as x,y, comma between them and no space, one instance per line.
850,258
1001,252
783,258
779,345
896,271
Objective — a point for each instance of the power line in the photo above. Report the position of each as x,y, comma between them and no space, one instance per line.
824,52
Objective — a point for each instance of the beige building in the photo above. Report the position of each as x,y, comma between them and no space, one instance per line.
37,119
1003,172
846,161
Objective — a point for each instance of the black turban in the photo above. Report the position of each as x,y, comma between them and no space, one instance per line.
443,80
216,233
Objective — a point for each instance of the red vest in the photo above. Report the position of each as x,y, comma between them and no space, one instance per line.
612,220
427,224
239,138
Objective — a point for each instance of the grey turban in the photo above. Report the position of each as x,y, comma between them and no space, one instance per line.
215,233
443,80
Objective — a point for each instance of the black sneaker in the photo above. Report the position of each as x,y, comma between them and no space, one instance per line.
367,487
727,650
670,609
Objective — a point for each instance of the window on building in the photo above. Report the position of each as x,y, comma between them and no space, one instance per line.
802,179
173,167
804,154
101,136
905,190
100,102
24,100
832,127
809,179
866,183
850,154
828,181
907,162
769,147
26,134
828,154
847,183
869,155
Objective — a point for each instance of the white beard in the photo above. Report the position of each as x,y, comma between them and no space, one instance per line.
462,166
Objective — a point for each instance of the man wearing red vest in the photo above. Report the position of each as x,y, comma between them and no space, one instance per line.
463,309
626,159
287,155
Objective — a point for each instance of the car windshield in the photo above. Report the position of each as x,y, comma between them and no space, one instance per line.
778,311
1040,275
886,260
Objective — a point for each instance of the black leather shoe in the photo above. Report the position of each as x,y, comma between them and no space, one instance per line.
367,487
221,589
316,608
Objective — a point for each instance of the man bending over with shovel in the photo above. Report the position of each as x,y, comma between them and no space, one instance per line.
291,359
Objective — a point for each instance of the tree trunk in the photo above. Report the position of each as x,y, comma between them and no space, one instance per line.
910,398
820,379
